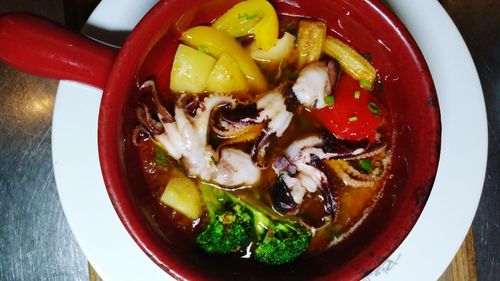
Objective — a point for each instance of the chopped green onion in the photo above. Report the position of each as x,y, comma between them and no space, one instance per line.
353,119
367,56
329,100
160,156
366,165
366,84
357,94
213,160
373,107
203,48
248,17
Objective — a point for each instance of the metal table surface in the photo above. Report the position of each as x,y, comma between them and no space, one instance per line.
35,240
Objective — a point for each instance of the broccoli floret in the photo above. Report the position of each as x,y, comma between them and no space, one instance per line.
230,226
282,243
234,224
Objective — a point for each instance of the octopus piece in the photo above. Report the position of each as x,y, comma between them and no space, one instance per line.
300,175
353,177
148,125
263,122
274,113
315,82
231,168
300,170
184,138
274,109
230,123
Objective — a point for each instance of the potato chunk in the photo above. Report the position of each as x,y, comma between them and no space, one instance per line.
217,42
190,70
183,195
226,77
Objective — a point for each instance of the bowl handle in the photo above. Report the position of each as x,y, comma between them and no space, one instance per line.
41,47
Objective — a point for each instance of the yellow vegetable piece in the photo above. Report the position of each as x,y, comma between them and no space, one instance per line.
190,70
216,42
226,77
357,66
311,38
256,17
183,195
280,52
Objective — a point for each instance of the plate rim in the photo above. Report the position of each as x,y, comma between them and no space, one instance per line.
107,273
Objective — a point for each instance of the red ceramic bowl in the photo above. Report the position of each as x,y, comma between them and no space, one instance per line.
39,47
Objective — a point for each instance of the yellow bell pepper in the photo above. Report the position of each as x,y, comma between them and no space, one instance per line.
256,17
216,42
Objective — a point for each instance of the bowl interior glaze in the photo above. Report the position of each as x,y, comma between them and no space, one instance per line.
408,94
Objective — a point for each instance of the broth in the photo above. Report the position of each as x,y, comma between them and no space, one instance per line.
150,168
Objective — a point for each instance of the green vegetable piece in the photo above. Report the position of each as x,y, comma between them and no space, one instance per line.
234,224
329,100
203,48
353,119
213,160
230,226
248,17
161,156
282,244
365,165
366,84
367,56
357,94
373,107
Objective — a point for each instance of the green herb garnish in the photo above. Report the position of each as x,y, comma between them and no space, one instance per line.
247,16
366,84
160,156
357,94
365,165
203,48
213,160
329,100
367,56
353,119
373,107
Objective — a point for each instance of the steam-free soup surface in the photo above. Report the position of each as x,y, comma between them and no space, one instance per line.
320,169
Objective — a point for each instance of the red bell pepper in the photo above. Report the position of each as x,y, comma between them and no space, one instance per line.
356,113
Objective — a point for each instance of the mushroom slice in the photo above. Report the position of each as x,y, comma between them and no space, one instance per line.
282,198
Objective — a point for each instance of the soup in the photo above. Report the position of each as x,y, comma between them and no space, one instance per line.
270,145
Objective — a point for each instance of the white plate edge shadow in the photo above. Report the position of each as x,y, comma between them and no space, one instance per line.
424,255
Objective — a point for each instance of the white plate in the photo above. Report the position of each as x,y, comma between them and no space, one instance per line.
425,253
